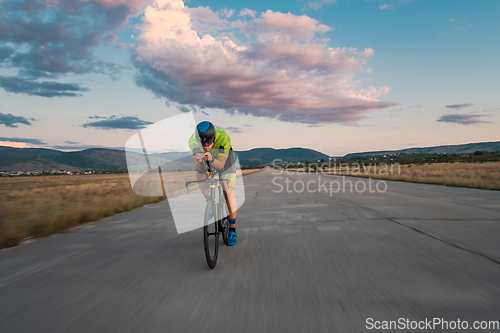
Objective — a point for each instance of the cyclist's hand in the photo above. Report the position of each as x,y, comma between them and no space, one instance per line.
200,157
208,156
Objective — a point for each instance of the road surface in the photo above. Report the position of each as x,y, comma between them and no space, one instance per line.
305,262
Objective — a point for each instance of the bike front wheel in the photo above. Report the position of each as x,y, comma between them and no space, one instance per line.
211,236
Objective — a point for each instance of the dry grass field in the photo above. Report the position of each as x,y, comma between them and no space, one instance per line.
249,171
40,206
473,175
44,205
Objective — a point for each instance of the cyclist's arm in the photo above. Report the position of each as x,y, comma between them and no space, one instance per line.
199,158
219,162
197,161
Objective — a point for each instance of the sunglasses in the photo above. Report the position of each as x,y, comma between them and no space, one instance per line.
208,142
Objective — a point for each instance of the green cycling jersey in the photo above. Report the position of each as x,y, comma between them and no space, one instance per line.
221,147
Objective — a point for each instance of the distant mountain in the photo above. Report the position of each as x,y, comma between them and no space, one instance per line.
449,149
95,159
101,159
7,160
260,156
173,155
28,152
37,163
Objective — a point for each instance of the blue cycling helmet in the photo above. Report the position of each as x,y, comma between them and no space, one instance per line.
205,131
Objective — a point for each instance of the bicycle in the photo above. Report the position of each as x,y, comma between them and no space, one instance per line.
217,224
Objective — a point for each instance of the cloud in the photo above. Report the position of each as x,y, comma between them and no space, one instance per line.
273,23
6,52
44,89
317,4
97,117
458,106
281,70
248,12
227,12
10,120
53,38
418,106
233,129
71,142
81,147
22,140
386,6
121,46
130,122
183,108
464,119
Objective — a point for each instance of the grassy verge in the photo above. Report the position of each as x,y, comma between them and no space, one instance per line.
44,205
472,175
245,172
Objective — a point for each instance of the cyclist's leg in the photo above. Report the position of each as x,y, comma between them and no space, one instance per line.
228,188
232,206
229,174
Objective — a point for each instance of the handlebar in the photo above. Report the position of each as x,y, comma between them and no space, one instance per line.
209,180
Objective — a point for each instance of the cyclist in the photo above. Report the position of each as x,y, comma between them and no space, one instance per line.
214,145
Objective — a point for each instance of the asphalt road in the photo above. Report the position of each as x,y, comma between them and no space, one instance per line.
304,262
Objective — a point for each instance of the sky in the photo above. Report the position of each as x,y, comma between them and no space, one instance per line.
335,76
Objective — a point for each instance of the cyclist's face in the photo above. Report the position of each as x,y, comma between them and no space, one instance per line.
208,147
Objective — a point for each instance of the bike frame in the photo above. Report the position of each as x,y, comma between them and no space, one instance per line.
214,183
215,201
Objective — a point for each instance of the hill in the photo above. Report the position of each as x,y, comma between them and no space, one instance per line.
101,159
36,163
448,149
95,159
260,156
29,152
8,159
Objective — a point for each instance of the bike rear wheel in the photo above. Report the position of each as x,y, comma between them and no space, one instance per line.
211,236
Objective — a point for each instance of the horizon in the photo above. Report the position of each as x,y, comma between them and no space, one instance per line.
123,148
337,77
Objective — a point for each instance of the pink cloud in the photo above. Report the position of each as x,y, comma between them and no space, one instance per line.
16,144
191,56
302,27
247,11
227,12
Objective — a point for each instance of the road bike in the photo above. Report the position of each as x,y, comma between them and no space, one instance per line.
218,223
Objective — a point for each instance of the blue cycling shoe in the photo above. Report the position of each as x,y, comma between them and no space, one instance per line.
231,238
